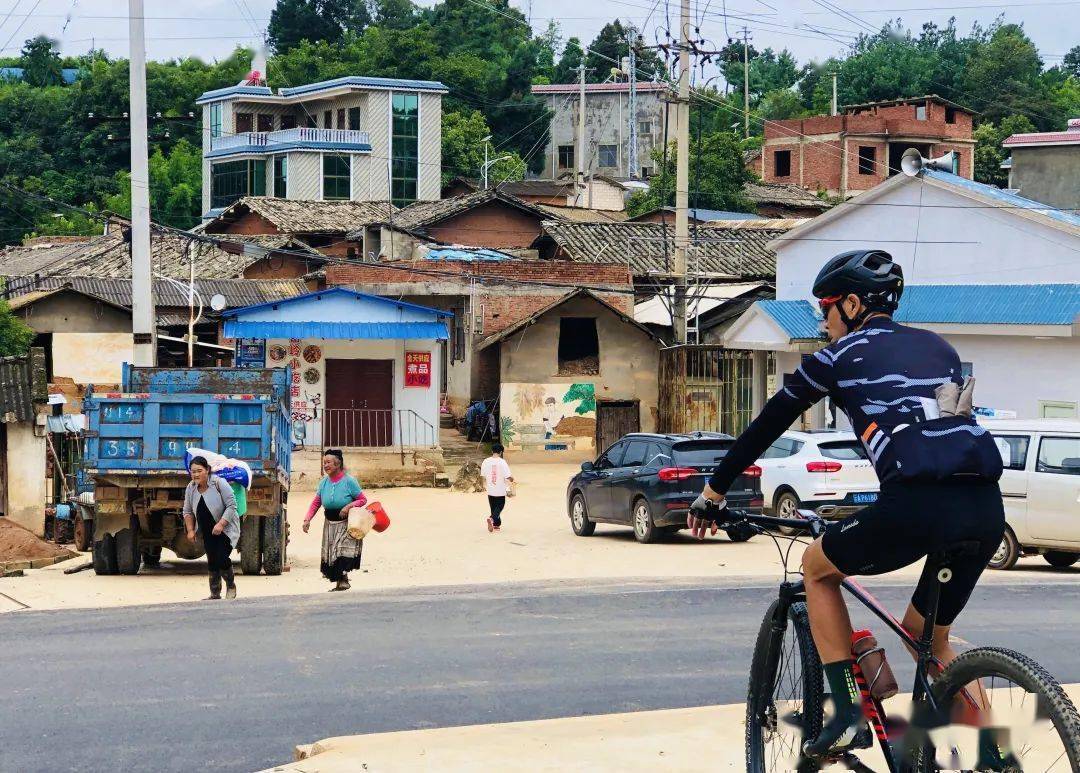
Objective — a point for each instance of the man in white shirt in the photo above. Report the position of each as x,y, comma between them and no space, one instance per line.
498,479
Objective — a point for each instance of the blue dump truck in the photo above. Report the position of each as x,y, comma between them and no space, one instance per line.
134,456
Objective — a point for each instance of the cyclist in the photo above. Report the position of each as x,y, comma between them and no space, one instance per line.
938,469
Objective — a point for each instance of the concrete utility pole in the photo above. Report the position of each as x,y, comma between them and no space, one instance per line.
834,108
142,288
746,81
682,176
579,177
634,170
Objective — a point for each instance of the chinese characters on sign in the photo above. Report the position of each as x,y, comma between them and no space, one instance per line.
418,369
250,353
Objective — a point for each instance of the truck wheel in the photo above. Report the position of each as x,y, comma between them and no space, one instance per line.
151,556
273,544
104,554
128,555
249,544
84,533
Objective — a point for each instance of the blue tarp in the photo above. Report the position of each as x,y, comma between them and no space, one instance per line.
348,330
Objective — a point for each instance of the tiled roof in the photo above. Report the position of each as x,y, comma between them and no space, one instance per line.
424,213
799,319
22,383
110,256
730,252
1003,197
584,214
1052,304
299,216
1069,137
781,193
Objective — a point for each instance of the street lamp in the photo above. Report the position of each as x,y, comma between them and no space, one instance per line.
489,164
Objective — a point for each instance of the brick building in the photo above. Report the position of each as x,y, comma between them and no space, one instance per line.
486,295
852,152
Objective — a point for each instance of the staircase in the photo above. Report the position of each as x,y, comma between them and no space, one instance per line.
457,449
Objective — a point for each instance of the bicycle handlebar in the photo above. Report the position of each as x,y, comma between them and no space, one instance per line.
814,524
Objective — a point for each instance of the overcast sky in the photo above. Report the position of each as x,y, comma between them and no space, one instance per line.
212,28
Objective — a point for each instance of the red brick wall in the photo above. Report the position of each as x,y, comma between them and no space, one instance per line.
863,182
495,225
503,311
277,267
820,165
248,223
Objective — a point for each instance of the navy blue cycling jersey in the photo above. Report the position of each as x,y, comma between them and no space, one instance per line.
884,377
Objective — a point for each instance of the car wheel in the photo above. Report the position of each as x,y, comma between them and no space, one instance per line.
1060,558
787,506
579,517
645,531
1008,552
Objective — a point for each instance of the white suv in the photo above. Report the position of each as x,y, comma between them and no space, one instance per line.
1041,489
815,468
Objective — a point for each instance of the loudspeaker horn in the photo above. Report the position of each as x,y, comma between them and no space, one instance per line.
912,162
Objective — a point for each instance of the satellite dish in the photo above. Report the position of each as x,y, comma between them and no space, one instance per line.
217,303
912,162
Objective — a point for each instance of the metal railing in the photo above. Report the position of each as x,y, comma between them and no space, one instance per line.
377,428
299,134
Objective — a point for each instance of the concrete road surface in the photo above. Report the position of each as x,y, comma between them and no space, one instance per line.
234,686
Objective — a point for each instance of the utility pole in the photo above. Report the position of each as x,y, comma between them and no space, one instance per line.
746,81
682,176
834,107
634,169
485,175
579,177
142,288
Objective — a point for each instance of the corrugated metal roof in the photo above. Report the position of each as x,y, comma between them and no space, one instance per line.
363,81
799,319
1052,304
22,382
349,330
1010,199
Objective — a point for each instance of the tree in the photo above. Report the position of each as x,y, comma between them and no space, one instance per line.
1002,79
1071,62
393,14
549,44
463,150
292,21
41,62
566,69
609,48
15,335
988,151
780,105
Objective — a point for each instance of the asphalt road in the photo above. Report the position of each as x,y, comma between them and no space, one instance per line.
234,686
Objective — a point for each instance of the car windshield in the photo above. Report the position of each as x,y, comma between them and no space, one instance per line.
845,450
695,453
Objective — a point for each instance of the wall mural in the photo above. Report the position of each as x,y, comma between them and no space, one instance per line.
548,417
306,390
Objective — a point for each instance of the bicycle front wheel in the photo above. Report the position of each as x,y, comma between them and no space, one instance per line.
1027,721
784,701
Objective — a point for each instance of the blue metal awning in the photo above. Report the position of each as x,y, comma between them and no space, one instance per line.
1047,304
351,330
800,320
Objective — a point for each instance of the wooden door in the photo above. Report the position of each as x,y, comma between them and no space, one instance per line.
615,419
243,122
359,403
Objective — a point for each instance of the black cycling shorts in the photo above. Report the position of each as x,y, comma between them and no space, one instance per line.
909,521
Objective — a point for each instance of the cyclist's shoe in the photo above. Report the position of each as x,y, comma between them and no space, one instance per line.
991,756
843,732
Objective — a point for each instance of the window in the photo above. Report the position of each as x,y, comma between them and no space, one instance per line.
328,119
843,450
612,456
782,449
1059,455
405,142
310,121
609,155
566,156
867,159
920,112
644,127
646,172
243,122
337,177
341,118
288,122
782,163
233,180
956,162
656,457
354,118
636,451
950,115
215,119
281,176
967,369
265,122
1013,450
579,348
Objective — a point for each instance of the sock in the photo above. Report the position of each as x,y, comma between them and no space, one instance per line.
845,692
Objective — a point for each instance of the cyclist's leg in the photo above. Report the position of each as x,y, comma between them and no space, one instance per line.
829,620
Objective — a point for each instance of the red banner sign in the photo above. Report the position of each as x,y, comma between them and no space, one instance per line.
418,369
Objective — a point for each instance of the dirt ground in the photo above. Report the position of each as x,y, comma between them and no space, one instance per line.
19,544
438,537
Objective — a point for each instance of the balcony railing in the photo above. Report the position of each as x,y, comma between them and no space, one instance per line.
394,429
300,135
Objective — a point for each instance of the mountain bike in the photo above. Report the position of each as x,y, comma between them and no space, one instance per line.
985,693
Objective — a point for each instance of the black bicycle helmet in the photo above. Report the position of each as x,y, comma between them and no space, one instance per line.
870,274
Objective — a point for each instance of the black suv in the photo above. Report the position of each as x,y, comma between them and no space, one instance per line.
648,481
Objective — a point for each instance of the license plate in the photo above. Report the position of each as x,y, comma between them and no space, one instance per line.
864,498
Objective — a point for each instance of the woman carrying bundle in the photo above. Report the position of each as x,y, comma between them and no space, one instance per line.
338,492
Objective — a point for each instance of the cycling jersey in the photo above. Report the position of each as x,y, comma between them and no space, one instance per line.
883,376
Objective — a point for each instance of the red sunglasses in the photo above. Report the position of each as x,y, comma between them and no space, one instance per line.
832,300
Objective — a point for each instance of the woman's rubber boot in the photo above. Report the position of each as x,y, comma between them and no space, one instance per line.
230,592
215,587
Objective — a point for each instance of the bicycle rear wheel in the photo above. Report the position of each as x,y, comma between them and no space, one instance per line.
1035,725
784,700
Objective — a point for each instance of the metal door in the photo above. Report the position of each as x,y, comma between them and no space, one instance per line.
614,419
359,403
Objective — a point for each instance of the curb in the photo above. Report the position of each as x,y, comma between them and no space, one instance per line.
34,563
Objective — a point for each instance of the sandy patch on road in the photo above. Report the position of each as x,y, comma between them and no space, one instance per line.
438,537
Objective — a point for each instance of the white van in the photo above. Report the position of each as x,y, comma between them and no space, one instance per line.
1041,489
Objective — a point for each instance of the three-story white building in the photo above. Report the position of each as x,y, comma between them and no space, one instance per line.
353,138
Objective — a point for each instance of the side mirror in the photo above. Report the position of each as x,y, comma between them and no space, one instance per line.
1071,465
587,467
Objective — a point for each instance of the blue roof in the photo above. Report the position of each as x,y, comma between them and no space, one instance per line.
350,330
1049,304
458,253
358,81
720,214
799,319
234,91
334,292
279,147
1010,199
